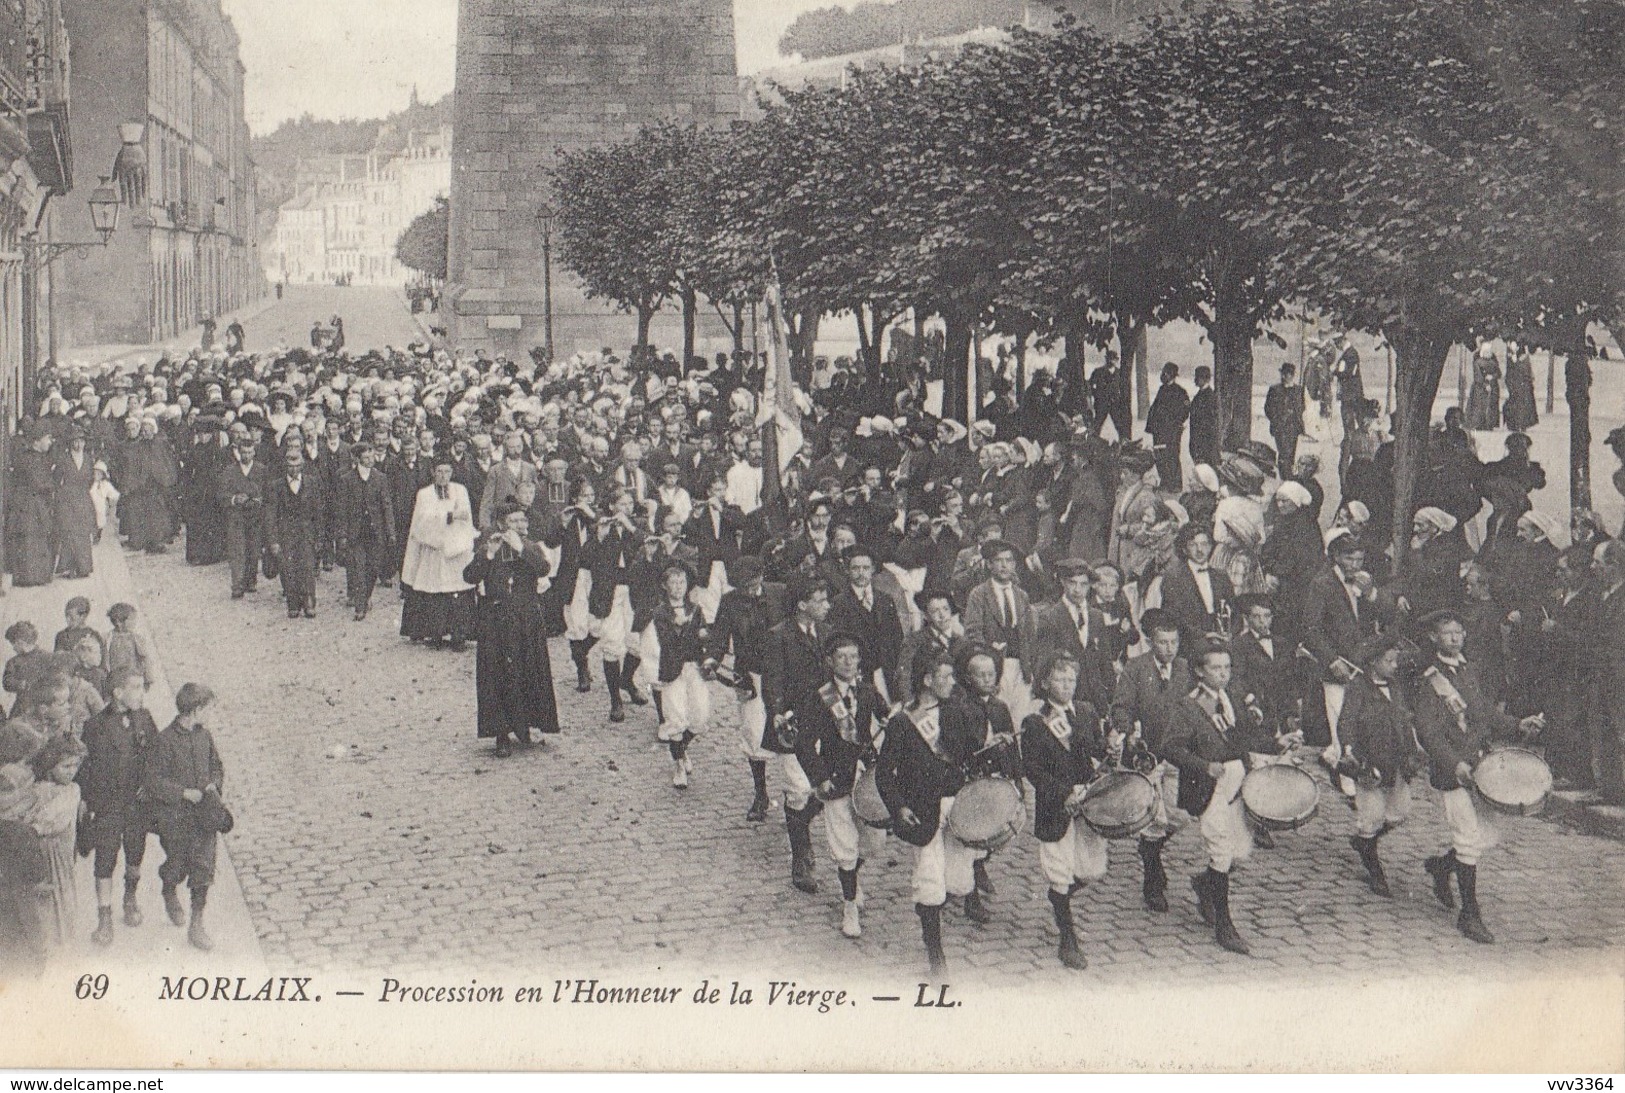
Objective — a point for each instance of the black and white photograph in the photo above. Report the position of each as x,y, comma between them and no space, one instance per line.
974,536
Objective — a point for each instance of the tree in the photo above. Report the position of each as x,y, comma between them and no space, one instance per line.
422,246
613,226
1448,219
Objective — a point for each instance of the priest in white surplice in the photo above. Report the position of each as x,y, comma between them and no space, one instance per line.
439,603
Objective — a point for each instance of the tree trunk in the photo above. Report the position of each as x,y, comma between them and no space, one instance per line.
691,317
1142,375
1551,381
1232,338
1131,354
956,364
1021,364
738,329
646,316
1419,360
1577,393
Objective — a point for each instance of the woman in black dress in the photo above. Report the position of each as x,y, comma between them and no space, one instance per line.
513,675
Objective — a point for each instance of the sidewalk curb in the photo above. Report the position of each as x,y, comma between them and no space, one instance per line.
155,945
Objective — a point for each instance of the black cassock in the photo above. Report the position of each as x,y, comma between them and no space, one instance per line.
513,675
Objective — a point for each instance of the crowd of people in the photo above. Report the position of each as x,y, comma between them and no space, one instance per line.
917,618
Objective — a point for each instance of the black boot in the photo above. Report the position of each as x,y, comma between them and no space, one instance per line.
1441,869
132,909
1071,955
196,934
1470,922
172,905
984,883
612,682
1224,930
760,805
1202,885
797,821
931,932
629,667
1155,887
1375,877
578,653
975,910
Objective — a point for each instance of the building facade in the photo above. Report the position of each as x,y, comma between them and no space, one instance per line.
37,160
350,211
534,76
171,72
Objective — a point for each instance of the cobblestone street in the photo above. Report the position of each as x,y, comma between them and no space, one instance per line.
374,831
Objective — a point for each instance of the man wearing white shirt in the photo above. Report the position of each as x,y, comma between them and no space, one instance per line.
745,480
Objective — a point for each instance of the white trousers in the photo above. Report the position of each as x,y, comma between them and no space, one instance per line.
614,630
1381,805
753,722
1224,822
849,838
1472,827
1166,815
577,618
797,789
944,866
709,596
1079,855
1015,691
685,704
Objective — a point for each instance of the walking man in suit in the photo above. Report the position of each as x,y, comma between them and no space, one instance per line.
871,617
240,491
1196,594
1204,442
793,670
1071,625
1165,421
995,616
293,519
1283,409
366,527
1143,702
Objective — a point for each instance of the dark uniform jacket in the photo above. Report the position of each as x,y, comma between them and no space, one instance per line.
715,535
1380,729
743,625
822,746
611,559
913,775
1055,768
1331,629
1269,676
1142,695
1195,739
794,667
1447,738
293,517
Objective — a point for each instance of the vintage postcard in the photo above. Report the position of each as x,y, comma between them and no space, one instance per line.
812,535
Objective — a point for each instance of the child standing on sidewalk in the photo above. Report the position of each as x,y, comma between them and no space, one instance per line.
126,648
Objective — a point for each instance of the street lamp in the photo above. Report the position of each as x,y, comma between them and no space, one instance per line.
105,203
546,219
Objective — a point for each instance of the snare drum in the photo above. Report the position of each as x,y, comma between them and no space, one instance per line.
987,813
1119,805
866,802
1280,797
1513,780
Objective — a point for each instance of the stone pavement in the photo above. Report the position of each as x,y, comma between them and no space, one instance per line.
375,832
155,942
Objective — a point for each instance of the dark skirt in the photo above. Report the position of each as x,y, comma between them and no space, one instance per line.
145,519
432,615
205,533
32,553
513,676
75,532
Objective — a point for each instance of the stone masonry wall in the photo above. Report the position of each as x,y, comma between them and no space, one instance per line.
535,76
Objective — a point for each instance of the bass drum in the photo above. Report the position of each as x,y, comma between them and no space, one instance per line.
1280,797
1513,780
987,813
1120,805
866,802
